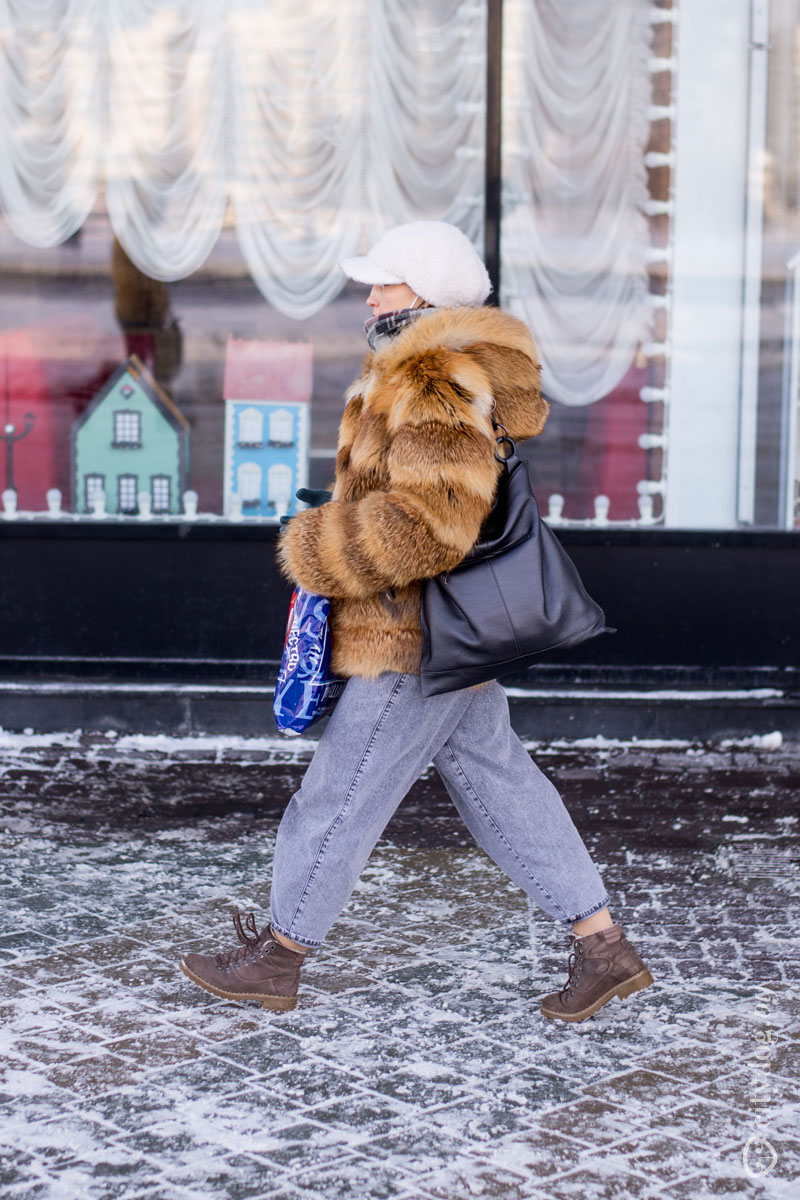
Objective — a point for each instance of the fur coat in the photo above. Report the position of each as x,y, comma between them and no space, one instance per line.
415,478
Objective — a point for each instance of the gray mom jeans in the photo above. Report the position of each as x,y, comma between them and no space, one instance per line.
380,738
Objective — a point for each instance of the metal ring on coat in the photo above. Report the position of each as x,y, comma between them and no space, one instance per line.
512,444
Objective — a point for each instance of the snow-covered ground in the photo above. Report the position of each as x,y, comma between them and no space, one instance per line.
416,1064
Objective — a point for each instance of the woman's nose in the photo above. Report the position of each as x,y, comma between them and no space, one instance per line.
373,299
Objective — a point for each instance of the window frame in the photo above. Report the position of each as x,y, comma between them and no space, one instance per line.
123,478
127,443
160,477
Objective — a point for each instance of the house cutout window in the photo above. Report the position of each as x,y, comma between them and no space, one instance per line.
279,487
127,429
249,480
281,428
251,428
126,493
160,493
93,485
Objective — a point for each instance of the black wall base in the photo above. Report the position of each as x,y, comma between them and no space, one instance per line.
544,714
176,627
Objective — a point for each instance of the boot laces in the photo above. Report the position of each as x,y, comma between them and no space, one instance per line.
251,947
574,966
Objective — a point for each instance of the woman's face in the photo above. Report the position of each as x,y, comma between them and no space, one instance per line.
390,297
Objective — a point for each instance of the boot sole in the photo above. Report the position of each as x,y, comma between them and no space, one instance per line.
634,984
274,1003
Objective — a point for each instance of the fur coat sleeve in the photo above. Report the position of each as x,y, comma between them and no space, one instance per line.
420,431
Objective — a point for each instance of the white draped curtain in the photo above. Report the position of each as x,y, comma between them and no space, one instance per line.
165,162
318,122
51,116
574,235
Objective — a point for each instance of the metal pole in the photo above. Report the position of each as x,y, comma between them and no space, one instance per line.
494,57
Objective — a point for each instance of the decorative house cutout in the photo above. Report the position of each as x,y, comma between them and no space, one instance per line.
267,394
131,438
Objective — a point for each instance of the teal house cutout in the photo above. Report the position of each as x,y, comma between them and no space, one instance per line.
130,439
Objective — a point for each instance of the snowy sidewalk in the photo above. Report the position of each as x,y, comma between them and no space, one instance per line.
416,1064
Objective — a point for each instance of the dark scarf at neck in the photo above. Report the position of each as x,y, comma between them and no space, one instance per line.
380,329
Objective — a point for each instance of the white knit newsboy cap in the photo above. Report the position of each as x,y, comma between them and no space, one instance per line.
434,258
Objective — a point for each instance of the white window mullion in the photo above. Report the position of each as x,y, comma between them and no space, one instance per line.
790,456
753,256
711,151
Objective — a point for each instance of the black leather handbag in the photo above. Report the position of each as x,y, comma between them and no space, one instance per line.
513,597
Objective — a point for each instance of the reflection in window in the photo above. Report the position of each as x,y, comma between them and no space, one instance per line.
126,493
127,428
251,427
249,477
159,492
281,428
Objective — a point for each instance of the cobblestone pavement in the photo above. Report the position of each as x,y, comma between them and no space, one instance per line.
416,1064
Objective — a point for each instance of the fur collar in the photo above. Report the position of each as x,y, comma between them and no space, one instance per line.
486,352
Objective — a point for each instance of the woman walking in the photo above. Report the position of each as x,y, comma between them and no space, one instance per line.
415,478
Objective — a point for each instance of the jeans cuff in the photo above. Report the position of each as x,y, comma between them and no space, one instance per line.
582,915
295,937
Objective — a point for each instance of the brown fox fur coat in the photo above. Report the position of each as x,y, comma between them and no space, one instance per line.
415,478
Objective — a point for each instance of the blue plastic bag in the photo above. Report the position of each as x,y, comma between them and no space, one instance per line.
306,690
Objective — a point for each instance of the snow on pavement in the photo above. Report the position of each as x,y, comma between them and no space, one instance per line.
416,1064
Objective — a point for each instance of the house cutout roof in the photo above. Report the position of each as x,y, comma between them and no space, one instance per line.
276,371
134,367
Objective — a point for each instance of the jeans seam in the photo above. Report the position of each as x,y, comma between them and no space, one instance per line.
348,797
471,791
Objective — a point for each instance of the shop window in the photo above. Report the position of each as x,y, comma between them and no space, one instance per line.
126,493
581,263
127,429
160,493
659,278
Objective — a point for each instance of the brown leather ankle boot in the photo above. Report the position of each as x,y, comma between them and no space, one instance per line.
601,965
260,969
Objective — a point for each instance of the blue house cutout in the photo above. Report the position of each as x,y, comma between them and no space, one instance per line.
267,394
